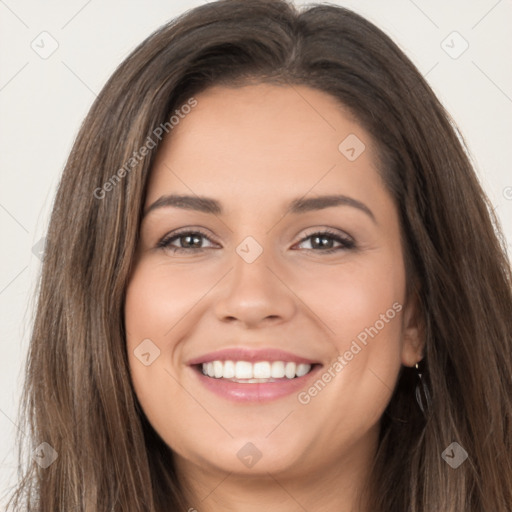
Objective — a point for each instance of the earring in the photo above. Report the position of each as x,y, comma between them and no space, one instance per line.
422,394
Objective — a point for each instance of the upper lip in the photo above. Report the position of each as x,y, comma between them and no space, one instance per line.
251,355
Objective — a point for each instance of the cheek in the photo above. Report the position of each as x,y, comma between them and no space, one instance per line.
350,298
162,304
360,306
155,310
159,298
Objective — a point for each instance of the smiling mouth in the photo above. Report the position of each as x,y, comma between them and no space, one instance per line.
261,372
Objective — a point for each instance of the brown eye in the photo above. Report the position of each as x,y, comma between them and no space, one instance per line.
190,241
328,241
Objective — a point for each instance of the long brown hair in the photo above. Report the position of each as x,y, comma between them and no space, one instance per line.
78,395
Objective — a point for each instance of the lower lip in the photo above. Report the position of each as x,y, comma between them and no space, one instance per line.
256,392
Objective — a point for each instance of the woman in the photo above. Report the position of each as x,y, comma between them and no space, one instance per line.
272,282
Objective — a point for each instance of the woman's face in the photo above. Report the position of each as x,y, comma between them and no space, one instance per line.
239,279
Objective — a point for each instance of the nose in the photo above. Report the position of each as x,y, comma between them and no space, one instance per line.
255,295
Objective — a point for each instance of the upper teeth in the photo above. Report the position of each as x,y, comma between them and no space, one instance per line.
259,370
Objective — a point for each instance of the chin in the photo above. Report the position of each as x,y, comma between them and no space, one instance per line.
251,456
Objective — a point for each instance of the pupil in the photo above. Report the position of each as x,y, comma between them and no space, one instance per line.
321,241
191,240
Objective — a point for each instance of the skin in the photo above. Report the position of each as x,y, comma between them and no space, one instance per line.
255,149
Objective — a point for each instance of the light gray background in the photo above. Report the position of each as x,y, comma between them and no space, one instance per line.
43,101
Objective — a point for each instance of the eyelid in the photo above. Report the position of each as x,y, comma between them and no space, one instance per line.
326,230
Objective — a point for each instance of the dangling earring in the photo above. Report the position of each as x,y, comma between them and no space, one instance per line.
422,394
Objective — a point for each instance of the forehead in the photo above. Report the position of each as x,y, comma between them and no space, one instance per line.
260,138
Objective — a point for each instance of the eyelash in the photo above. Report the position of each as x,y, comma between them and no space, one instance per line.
347,243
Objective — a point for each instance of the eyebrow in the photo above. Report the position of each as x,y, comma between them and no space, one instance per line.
300,205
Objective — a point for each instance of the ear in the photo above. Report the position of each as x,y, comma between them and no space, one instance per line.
413,331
